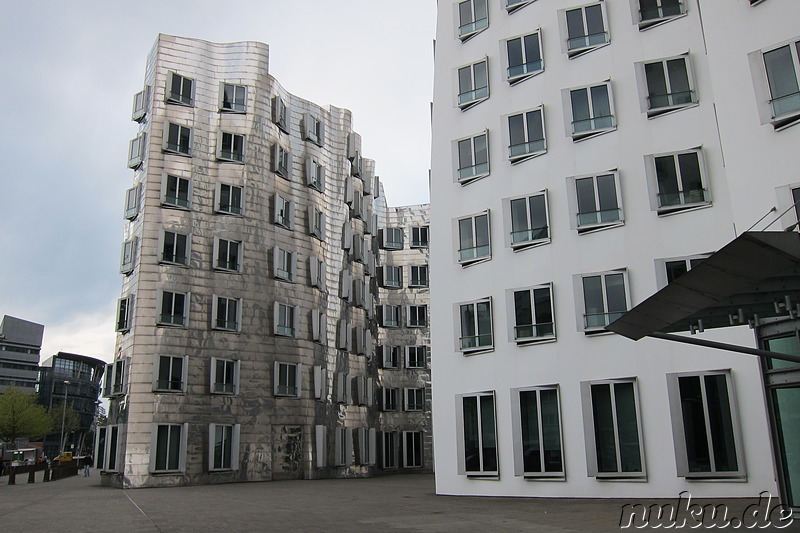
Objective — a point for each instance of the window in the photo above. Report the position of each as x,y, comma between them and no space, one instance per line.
391,238
343,446
706,429
223,447
783,76
140,102
529,221
476,326
175,248
533,314
473,84
668,270
116,378
652,12
389,402
678,181
586,30
180,90
473,158
169,374
538,452
280,113
285,264
419,276
526,135
132,202
316,223
226,313
389,452
391,356
230,199
342,387
228,255
178,139
287,379
136,150
392,277
417,316
414,399
596,202
419,237
313,129
231,148
513,5
319,325
281,161
364,387
224,376
233,98
124,313
605,299
524,57
128,256
390,316
284,211
415,356
473,17
356,165
174,309
168,449
611,423
176,192
592,111
315,174
286,319
669,85
106,448
317,272
412,449
366,446
476,421
474,243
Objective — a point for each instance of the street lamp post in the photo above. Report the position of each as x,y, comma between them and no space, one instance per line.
64,413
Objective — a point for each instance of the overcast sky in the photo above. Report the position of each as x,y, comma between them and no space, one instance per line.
69,73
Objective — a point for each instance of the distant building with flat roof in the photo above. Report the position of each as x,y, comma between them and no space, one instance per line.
20,343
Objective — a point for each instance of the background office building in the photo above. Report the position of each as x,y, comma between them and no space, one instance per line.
20,343
586,154
250,315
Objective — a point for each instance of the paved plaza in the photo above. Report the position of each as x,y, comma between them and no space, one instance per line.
389,503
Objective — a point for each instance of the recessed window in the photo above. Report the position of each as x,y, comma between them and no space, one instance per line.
319,325
180,90
783,74
280,113
596,202
136,150
474,244
678,181
473,17
613,433
286,319
316,223
538,449
532,309
652,12
366,446
526,135
124,314
389,316
524,57
473,84
605,299
283,211
285,263
174,309
414,399
140,102
316,269
391,238
313,129
678,267
128,256
287,379
513,5
390,450
391,356
174,248
473,158
230,199
226,313
669,85
168,449
132,202
475,420
281,161
233,98
416,356
176,192
116,378
417,316
392,277
228,255
343,446
419,236
586,29
389,399
315,174
528,221
170,373
419,276
223,447
591,111
178,139
231,147
706,427
412,449
224,376
475,332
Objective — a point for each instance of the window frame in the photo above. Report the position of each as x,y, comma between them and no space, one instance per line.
578,279
284,264
315,174
226,384
419,359
549,332
163,241
129,255
684,203
237,105
533,238
459,251
467,30
389,401
136,150
519,430
281,113
459,333
133,201
467,174
169,467
392,277
168,385
395,316
180,98
763,88
410,458
223,246
671,106
660,17
124,314
178,148
414,399
419,276
231,155
514,5
231,450
230,208
176,202
141,101
473,94
390,359
283,211
316,267
530,147
417,316
483,470
282,388
281,315
689,261
589,45
392,238
234,304
590,227
420,236
281,162
184,317
537,65
594,129
313,129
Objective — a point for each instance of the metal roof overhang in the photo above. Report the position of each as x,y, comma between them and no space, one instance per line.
754,277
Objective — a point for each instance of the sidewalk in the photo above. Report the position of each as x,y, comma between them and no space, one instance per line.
388,503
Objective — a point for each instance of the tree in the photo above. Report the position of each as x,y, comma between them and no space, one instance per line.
22,417
72,420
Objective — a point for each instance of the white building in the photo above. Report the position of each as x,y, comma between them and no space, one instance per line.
585,154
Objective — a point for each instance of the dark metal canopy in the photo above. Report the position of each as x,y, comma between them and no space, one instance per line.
755,276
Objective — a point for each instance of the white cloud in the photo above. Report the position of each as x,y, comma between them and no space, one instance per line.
90,334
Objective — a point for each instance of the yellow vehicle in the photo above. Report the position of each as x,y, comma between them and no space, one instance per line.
64,457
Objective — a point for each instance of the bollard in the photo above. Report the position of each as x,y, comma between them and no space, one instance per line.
46,474
32,476
12,476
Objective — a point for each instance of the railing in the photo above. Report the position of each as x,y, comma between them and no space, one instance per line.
227,324
474,170
586,41
476,252
669,10
232,155
529,235
531,147
528,68
476,341
592,124
168,384
533,331
468,29
474,95
288,331
176,200
176,320
600,320
224,388
656,101
786,104
670,199
599,217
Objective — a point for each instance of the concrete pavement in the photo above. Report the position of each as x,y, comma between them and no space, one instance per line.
388,503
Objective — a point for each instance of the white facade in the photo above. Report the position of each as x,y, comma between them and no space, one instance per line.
612,131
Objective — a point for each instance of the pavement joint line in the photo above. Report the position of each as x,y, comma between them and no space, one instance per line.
141,511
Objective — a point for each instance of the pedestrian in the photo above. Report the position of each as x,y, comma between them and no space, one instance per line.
87,462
